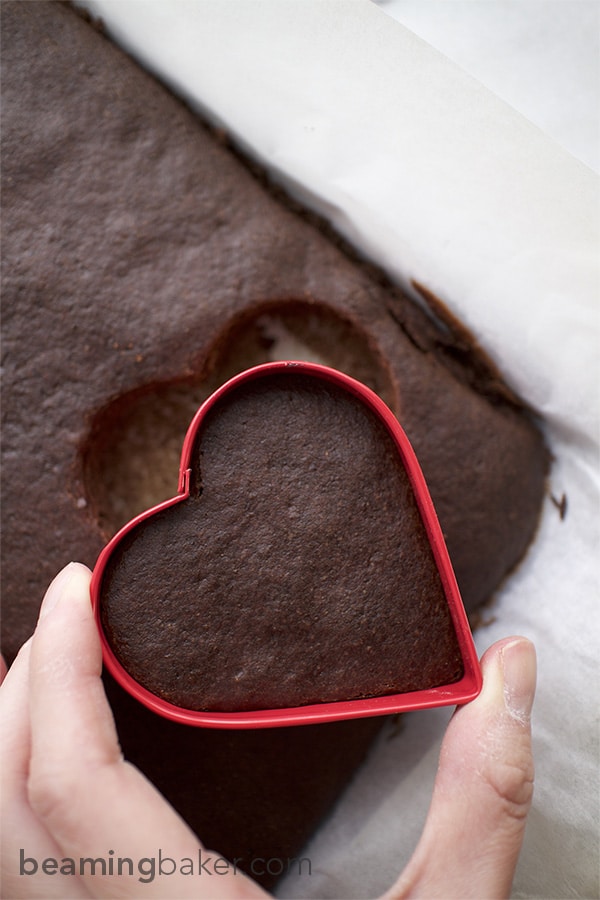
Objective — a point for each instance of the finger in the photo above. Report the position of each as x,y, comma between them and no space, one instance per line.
14,715
97,806
65,669
484,786
23,836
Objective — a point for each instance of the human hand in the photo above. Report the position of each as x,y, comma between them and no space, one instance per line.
483,789
69,795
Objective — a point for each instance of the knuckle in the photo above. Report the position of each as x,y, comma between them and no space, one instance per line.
51,795
512,784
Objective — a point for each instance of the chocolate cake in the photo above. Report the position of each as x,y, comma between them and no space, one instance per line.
303,571
144,262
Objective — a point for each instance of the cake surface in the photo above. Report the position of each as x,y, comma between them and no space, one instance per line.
143,264
298,570
138,252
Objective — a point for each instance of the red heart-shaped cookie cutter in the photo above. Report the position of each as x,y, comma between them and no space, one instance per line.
459,692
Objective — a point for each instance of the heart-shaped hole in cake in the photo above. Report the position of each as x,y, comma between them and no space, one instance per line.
130,459
299,575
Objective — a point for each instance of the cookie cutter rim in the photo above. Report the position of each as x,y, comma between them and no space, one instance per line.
460,692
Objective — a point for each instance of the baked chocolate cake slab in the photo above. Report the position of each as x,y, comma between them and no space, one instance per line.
138,255
135,249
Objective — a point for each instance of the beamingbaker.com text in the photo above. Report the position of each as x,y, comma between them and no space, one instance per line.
147,868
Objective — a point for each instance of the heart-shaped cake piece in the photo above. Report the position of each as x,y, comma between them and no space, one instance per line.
299,575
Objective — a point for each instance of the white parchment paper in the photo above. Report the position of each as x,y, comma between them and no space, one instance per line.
438,180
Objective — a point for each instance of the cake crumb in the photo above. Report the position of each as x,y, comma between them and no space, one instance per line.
561,505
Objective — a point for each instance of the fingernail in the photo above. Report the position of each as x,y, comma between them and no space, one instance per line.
56,590
519,667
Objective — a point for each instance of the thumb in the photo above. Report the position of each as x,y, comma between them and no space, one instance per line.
483,789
